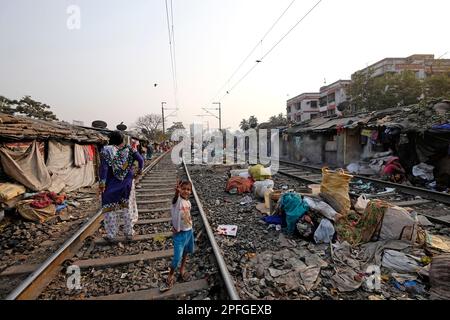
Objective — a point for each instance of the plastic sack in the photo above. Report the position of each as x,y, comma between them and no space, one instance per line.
241,185
361,204
400,262
325,232
262,186
10,190
259,173
335,186
395,221
322,207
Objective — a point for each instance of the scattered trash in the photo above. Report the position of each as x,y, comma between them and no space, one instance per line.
321,207
387,191
423,171
325,232
399,261
2,215
160,239
246,200
440,277
227,230
361,204
262,186
123,275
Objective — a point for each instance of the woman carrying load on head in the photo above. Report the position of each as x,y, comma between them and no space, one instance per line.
116,179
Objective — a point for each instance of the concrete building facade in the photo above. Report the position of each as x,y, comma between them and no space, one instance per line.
331,96
423,65
303,107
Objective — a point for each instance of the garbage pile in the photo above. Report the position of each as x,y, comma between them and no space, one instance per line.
369,243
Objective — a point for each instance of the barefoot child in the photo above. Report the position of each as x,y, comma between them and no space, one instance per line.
183,236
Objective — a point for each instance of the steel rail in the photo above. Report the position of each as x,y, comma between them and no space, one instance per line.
410,190
36,282
229,284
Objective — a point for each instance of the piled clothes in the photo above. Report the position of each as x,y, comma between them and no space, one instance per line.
239,185
42,206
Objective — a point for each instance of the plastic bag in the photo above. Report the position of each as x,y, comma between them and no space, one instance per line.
262,186
361,204
322,207
259,173
423,171
399,261
325,232
335,187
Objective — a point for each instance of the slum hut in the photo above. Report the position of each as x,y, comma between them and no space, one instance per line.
325,141
419,135
37,155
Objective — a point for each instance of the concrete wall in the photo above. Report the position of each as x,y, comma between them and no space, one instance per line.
296,148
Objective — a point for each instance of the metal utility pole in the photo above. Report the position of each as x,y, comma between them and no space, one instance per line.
220,114
163,119
217,117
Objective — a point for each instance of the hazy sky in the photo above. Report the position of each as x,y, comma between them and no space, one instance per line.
107,68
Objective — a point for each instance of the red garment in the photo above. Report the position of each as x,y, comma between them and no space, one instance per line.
242,184
44,199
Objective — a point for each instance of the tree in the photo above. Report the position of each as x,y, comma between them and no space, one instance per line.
437,86
278,121
253,122
27,106
244,125
175,126
368,93
150,125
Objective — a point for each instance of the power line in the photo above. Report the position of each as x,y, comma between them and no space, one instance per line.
174,56
172,49
253,50
271,49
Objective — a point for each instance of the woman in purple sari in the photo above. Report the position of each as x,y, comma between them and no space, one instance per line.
116,178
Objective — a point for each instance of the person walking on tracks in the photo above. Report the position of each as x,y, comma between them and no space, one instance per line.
183,235
116,178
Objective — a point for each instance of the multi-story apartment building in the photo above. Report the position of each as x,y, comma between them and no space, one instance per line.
331,96
303,107
422,64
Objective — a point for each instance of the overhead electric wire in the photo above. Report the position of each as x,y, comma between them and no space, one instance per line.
270,50
253,50
174,55
172,52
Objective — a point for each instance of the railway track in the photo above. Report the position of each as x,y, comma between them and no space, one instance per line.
132,270
433,205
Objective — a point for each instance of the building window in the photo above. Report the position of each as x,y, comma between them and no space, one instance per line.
289,109
314,115
313,104
297,106
323,101
298,118
332,97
